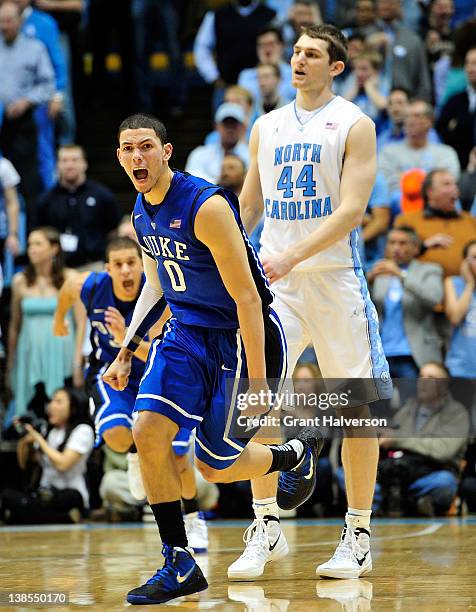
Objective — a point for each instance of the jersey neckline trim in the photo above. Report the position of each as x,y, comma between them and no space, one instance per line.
317,111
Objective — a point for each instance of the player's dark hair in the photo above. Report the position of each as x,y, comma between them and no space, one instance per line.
57,267
467,246
336,41
143,120
122,242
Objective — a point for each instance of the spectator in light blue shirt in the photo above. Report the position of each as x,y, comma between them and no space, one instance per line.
405,292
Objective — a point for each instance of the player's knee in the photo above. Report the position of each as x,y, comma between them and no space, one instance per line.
153,431
118,438
211,474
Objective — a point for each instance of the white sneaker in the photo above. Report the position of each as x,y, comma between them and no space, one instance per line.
352,557
264,542
134,477
197,532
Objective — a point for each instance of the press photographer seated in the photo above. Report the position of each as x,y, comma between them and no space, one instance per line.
62,495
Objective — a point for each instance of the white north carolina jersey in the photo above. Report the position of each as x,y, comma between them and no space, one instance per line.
300,167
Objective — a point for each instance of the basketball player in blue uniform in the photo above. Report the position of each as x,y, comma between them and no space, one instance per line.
109,298
222,331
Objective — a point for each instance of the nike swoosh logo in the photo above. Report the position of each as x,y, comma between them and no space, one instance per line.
181,579
311,469
99,310
361,561
223,367
271,548
137,216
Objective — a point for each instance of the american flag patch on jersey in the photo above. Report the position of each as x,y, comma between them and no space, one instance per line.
331,126
175,223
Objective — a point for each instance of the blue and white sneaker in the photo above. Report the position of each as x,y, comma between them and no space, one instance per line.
297,485
179,576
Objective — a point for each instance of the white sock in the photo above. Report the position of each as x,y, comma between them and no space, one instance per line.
298,446
265,507
358,518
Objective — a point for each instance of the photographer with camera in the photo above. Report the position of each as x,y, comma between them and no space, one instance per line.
62,495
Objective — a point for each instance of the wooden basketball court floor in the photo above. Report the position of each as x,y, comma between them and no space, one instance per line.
425,565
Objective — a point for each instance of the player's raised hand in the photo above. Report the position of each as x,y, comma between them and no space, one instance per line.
117,374
276,266
60,327
115,324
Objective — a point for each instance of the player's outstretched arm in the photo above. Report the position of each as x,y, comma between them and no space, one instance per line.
68,296
357,179
216,227
251,197
148,310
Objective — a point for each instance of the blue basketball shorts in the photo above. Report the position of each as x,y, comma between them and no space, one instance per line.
188,377
111,408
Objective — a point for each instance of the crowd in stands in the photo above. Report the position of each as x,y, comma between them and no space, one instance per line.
412,69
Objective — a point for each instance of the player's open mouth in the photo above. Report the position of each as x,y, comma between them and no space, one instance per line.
128,284
140,174
299,73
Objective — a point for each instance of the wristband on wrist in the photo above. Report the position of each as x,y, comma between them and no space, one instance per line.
133,344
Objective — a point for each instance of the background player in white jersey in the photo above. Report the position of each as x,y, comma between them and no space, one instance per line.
313,166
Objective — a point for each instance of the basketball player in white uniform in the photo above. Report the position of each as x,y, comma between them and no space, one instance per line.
312,168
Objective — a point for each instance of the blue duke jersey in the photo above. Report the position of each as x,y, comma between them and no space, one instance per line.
190,280
97,295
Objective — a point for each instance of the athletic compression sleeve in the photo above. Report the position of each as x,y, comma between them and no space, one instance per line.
148,310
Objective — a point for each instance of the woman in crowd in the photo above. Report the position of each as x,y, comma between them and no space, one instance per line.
62,495
35,355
